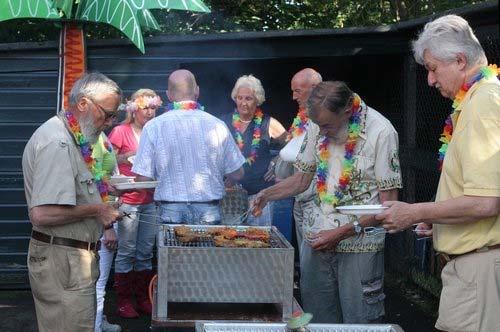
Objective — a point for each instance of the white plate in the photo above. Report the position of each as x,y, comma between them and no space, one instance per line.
361,209
115,179
136,185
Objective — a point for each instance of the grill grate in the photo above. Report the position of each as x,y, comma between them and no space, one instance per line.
207,241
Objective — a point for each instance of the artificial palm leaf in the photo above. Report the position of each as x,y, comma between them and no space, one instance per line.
12,9
147,20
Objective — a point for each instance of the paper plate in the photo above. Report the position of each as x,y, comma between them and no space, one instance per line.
361,209
115,179
136,185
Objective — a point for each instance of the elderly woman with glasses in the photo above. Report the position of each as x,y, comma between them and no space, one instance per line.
133,269
254,131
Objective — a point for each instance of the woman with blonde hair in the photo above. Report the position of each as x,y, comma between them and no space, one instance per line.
254,131
135,239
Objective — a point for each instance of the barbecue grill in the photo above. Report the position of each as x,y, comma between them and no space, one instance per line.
199,272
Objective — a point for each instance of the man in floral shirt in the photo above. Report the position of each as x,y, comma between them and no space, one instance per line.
352,155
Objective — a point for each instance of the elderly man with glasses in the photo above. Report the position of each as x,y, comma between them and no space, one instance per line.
66,195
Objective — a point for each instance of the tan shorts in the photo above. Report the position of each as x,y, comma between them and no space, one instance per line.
470,299
63,281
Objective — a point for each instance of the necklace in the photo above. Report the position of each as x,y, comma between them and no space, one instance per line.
299,125
445,138
354,128
257,120
94,166
185,106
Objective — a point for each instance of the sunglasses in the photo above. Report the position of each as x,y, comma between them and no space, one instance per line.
107,113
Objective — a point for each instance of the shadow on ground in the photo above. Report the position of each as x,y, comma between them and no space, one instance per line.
413,312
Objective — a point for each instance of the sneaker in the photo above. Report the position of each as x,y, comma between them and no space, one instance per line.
108,327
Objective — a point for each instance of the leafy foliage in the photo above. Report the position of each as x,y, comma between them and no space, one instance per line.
128,16
255,15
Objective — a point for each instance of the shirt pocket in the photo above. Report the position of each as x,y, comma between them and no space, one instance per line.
86,185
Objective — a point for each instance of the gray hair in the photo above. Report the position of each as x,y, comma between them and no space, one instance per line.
445,38
91,85
254,84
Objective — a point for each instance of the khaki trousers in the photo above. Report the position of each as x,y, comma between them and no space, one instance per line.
470,299
63,281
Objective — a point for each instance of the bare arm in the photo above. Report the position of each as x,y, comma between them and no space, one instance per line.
50,215
289,187
460,210
276,129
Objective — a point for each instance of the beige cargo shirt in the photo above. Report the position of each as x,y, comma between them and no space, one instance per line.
56,174
376,167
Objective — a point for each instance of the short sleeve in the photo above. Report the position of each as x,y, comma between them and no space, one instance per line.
480,148
306,158
387,167
233,159
53,176
144,162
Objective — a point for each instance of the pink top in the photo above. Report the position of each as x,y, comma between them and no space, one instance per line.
123,139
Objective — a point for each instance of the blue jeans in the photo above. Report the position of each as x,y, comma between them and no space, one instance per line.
190,213
136,239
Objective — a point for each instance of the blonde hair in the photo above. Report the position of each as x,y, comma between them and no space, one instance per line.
139,93
254,84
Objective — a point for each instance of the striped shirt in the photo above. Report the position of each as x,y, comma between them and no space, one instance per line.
188,152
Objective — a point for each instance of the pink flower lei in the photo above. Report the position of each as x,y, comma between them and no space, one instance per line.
143,102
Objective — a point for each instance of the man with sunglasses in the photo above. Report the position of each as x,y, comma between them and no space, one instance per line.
66,197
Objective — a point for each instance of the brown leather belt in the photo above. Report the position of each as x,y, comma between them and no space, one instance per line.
62,241
446,258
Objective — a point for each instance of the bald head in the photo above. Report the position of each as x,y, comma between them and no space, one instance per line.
182,86
302,84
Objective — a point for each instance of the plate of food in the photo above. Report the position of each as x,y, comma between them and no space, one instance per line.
360,210
136,185
115,179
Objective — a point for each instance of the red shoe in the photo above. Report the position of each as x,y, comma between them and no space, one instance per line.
123,286
142,280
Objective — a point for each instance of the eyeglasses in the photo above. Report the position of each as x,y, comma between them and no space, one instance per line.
107,114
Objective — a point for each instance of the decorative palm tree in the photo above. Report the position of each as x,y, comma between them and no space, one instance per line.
128,16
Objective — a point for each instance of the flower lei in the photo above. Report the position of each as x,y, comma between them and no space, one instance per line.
257,120
143,102
445,138
299,125
185,106
94,167
354,128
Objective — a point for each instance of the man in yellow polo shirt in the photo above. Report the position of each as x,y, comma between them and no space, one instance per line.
466,214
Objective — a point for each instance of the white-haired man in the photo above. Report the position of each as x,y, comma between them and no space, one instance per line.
66,197
466,214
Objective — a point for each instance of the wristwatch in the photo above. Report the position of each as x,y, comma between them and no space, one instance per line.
357,227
